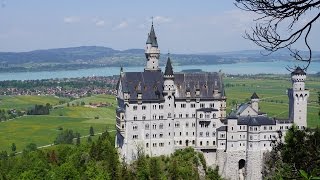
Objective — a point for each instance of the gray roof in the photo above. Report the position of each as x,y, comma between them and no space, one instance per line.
222,128
169,70
241,108
149,83
255,121
152,38
254,96
205,82
298,71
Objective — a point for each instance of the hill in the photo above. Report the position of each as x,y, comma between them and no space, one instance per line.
98,56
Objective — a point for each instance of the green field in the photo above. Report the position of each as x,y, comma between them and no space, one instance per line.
42,130
25,102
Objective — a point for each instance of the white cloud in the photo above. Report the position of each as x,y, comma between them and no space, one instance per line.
71,19
99,22
161,19
122,25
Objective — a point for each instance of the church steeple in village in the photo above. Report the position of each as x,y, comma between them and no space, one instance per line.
152,52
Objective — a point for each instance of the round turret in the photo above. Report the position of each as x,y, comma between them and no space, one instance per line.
298,77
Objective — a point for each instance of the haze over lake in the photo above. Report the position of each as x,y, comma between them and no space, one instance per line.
278,67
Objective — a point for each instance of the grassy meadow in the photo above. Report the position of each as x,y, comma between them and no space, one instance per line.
42,130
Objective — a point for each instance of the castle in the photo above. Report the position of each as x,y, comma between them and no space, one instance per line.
159,113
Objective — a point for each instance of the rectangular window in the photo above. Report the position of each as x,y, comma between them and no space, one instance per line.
161,126
202,105
161,135
201,134
144,107
192,105
135,137
135,108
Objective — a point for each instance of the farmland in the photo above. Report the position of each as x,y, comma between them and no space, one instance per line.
42,130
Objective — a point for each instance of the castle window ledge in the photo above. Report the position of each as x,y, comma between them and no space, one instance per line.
204,120
206,147
119,128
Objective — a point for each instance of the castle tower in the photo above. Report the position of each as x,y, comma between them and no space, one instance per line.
255,102
169,89
152,52
298,98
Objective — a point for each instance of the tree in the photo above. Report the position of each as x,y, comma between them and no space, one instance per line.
13,147
91,131
78,139
89,139
65,137
299,152
282,23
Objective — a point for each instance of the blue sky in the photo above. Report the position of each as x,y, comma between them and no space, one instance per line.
186,26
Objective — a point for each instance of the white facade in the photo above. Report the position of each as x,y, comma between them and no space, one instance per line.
159,113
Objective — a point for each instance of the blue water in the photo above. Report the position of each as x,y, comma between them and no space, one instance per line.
278,67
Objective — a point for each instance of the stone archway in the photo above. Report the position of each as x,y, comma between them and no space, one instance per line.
241,170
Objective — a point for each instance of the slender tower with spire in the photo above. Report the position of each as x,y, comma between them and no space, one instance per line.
298,98
152,52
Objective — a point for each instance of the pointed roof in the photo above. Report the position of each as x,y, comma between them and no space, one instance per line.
254,96
152,38
298,71
168,70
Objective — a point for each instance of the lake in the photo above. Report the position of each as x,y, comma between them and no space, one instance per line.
277,67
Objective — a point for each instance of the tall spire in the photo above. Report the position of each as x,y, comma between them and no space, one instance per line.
152,38
168,70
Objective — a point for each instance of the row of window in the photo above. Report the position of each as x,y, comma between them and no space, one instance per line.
265,137
207,134
154,116
281,127
264,128
155,144
202,105
241,128
241,136
145,107
176,125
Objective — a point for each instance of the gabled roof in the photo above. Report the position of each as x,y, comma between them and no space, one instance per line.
222,128
298,71
255,121
205,82
148,83
254,96
152,38
168,70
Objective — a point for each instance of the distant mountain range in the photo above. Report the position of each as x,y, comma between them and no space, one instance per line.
97,56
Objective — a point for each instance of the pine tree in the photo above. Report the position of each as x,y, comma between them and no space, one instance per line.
13,147
91,131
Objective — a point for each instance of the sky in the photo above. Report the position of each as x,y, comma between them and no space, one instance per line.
186,26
